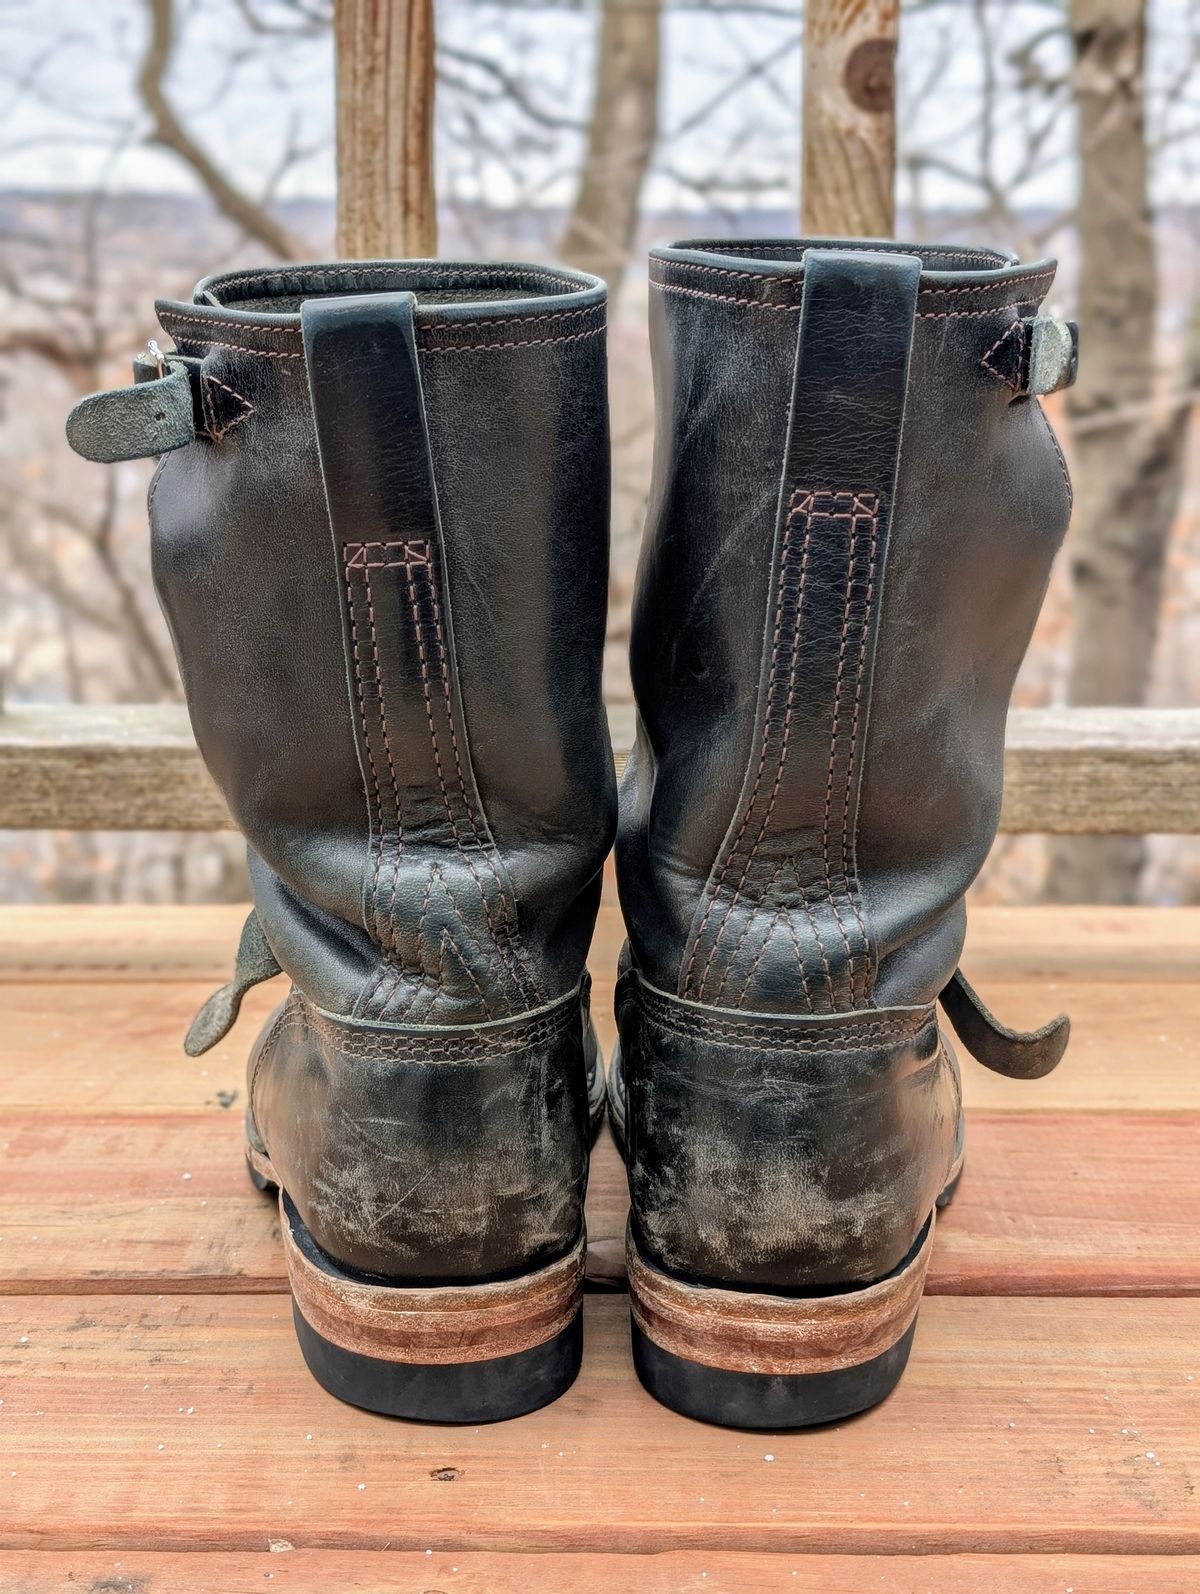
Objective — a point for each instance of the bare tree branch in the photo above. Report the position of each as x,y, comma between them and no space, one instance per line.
168,130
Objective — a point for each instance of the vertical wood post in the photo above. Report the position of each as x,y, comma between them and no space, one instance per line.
385,79
849,138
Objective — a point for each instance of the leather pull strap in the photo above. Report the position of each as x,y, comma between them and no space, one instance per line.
1017,1054
788,861
255,962
436,897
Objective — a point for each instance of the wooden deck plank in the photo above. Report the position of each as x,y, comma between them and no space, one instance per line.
1050,1204
303,1571
1062,1427
116,1046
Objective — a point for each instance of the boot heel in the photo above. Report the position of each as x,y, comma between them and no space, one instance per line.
751,1360
443,1353
468,1353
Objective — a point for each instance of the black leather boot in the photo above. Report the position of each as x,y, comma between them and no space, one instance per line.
381,540
856,503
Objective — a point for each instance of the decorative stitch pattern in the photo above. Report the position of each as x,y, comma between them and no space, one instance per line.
500,935
834,889
216,428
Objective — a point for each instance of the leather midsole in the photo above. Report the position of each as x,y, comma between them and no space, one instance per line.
436,1325
750,1332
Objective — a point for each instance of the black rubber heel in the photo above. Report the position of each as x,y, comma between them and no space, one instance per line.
456,1392
774,1401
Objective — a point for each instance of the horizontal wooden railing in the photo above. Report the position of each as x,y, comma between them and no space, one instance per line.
1067,771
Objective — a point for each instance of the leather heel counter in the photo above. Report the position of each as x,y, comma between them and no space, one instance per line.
783,1153
430,1154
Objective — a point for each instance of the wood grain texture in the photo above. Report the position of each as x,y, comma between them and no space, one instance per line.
1067,771
441,1571
183,1422
849,131
386,206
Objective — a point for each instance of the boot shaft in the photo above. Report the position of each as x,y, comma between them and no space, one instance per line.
385,571
843,563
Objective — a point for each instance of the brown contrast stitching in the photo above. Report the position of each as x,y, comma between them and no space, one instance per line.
444,665
387,747
957,315
227,326
415,551
523,343
457,950
851,887
1062,459
720,298
394,988
239,348
1017,326
411,566
776,643
537,319
248,409
835,728
388,1045
360,693
661,1010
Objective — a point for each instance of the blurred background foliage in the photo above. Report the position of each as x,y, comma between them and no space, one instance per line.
145,143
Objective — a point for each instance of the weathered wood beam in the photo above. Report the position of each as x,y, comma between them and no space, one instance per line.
1079,771
385,82
849,131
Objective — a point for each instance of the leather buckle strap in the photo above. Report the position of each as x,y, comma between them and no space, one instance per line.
255,962
154,416
1035,354
1017,1054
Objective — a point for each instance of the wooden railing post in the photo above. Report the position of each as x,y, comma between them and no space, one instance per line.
849,137
385,78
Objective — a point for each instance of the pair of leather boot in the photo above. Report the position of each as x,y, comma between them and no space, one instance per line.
380,537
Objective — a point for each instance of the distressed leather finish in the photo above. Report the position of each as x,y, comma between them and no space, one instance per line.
770,1152
384,561
433,1156
851,527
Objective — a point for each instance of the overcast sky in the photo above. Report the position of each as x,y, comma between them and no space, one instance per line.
67,72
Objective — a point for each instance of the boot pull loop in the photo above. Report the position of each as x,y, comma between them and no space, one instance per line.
1017,1054
790,858
154,416
254,963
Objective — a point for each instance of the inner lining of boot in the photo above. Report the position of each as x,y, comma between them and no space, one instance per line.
284,291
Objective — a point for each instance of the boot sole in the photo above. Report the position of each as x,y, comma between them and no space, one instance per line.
469,1353
744,1359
